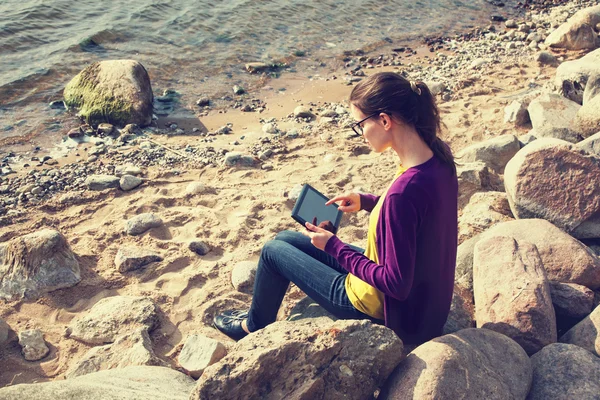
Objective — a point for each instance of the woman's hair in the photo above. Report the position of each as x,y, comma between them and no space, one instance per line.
411,102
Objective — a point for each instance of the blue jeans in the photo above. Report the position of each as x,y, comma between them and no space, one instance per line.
290,257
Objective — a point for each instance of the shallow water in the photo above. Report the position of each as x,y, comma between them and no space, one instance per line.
184,43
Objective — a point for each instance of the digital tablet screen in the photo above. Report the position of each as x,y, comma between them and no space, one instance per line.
311,205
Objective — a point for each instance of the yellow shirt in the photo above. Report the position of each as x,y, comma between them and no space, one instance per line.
363,296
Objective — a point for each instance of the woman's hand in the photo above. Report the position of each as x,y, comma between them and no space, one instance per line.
318,236
350,202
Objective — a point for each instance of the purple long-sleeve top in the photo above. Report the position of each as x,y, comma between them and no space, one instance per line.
416,247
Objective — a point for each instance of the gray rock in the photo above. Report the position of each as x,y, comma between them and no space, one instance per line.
484,210
199,247
462,311
308,308
199,352
591,144
113,90
564,372
463,276
475,177
592,88
141,223
578,32
269,128
526,139
265,154
37,263
140,383
587,119
131,258
552,116
516,113
543,174
572,76
512,294
256,67
321,359
494,153
122,170
102,182
33,346
471,364
129,182
112,317
585,334
237,159
511,23
4,331
571,300
131,349
303,112
547,58
238,90
242,276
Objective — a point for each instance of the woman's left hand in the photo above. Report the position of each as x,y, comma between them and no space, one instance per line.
318,236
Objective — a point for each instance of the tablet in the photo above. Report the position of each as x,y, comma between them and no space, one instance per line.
311,205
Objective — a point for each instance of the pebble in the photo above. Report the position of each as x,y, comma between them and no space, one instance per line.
102,182
303,112
199,247
129,182
238,90
203,102
33,346
269,128
133,258
141,223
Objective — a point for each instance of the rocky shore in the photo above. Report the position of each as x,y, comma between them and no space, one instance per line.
117,250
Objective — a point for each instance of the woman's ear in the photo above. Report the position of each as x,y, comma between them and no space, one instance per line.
386,121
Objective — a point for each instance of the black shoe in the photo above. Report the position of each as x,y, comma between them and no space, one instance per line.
230,323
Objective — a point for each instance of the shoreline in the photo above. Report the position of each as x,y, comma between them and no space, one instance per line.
233,210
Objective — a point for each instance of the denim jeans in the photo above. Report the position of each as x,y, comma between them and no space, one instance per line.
290,257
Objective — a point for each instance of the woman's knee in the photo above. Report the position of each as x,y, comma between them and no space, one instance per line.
291,237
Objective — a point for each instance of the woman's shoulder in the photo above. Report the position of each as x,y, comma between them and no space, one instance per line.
423,180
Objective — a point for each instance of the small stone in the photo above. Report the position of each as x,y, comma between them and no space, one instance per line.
203,102
199,352
132,258
129,182
546,58
33,346
106,129
195,188
511,23
242,276
37,190
199,247
269,128
256,67
127,170
238,90
141,223
102,182
57,105
266,154
75,133
92,159
303,112
235,158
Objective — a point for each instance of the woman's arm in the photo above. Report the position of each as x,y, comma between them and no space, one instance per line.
368,201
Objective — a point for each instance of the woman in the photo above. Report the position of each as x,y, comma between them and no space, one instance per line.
405,277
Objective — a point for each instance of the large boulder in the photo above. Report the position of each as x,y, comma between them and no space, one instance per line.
471,364
310,359
554,180
512,294
592,88
587,119
37,263
112,317
571,300
130,349
462,311
564,372
578,33
552,116
565,259
572,76
494,153
585,334
113,91
4,331
485,209
591,145
140,383
199,352
475,177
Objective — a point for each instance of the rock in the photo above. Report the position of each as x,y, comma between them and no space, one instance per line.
199,247
303,112
194,188
105,129
33,346
578,32
494,153
463,276
591,144
75,133
469,364
237,159
199,352
344,359
123,170
512,295
587,120
543,175
526,139
37,263
257,67
483,211
585,334
572,76
141,223
552,116
308,308
462,311
242,276
131,129
115,91
516,113
592,88
475,177
238,90
139,382
556,377
4,331
546,58
265,154
511,23
269,128
132,258
571,300
112,317
436,87
477,63
129,182
101,182
131,349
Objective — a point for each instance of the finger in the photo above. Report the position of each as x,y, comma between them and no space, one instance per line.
335,199
313,228
314,221
307,233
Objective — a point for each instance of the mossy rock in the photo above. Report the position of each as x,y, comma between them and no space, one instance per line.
115,91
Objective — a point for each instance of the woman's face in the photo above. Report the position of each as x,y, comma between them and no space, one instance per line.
373,131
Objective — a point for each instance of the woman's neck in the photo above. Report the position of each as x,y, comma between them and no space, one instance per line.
410,148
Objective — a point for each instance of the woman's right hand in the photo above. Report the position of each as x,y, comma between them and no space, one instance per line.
348,203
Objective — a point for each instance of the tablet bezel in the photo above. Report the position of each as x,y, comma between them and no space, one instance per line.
298,205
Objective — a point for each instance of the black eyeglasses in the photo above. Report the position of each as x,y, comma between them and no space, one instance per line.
357,128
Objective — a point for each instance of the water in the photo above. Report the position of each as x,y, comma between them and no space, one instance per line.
191,44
